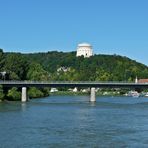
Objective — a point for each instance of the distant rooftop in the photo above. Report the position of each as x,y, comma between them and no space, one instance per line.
143,81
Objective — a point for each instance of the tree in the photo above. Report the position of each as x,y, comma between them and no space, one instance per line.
1,59
1,93
33,92
14,94
1,51
36,72
16,66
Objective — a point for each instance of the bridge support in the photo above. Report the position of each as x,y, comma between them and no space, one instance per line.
92,95
24,94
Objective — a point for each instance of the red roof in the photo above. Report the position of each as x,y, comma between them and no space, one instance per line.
143,81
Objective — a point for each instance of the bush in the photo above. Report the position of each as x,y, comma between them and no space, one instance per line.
35,93
14,94
1,93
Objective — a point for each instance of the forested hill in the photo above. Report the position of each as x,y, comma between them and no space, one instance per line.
66,66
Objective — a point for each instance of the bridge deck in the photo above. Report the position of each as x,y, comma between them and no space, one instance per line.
73,84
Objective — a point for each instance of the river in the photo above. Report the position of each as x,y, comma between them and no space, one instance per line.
74,122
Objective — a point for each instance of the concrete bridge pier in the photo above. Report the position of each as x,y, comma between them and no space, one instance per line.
92,95
24,94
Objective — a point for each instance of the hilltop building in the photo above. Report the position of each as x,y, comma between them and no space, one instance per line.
84,49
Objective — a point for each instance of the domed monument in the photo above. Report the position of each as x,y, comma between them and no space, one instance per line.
84,49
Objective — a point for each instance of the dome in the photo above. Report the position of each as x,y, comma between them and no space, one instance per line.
84,45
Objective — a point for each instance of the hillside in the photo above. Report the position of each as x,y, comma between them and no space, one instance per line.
66,66
99,67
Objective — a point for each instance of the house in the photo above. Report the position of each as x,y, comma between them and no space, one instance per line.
63,69
143,81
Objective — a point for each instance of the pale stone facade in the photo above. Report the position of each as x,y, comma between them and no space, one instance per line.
84,49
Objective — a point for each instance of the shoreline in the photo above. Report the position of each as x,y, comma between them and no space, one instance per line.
66,93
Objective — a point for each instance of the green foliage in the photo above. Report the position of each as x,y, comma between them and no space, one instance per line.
33,92
14,94
43,67
1,59
36,72
46,91
1,93
96,68
1,50
16,66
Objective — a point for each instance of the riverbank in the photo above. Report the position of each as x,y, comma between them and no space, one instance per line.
63,93
70,93
86,93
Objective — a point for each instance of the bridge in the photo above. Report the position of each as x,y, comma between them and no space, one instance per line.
91,84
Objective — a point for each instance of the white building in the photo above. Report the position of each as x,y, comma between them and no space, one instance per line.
75,89
53,90
84,49
64,69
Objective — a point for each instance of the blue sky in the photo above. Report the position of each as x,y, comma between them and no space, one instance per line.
111,26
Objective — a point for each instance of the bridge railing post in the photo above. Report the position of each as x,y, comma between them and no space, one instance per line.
92,95
24,94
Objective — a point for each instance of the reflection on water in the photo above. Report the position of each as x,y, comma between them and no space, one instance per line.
72,121
23,106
